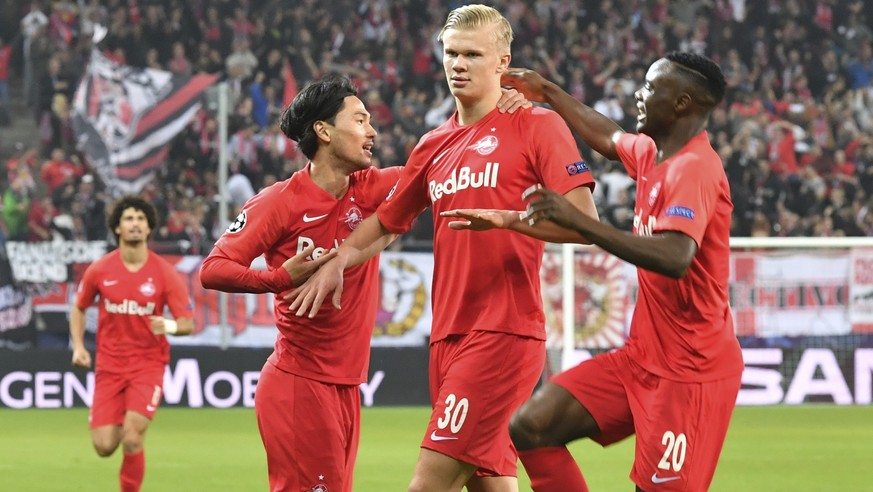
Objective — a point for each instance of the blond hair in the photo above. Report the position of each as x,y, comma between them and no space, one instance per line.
477,16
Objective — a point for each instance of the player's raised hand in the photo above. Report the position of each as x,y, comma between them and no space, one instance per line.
511,100
81,357
299,269
546,204
309,296
527,82
479,219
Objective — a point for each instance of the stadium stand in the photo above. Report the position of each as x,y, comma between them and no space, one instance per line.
794,132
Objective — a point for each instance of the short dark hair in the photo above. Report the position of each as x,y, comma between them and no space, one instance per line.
137,203
704,72
320,100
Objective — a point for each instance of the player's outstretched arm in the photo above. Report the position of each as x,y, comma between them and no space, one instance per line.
597,130
668,253
485,219
220,272
370,238
81,356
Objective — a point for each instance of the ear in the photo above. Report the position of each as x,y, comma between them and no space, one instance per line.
683,102
503,63
321,131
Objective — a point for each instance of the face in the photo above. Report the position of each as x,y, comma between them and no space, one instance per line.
472,62
351,134
133,227
655,100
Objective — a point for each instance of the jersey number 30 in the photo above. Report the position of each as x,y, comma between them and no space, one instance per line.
454,414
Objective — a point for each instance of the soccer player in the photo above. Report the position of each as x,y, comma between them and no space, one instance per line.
134,286
487,339
308,402
675,382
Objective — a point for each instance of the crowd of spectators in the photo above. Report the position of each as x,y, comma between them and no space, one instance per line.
795,131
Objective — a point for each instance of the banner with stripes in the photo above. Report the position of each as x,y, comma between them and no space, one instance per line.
124,118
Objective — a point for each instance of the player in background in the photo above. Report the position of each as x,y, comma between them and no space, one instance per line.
135,286
487,339
675,382
308,401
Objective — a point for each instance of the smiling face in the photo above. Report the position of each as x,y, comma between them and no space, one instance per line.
473,62
656,99
133,227
351,135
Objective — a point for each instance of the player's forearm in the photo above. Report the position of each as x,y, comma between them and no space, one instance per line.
597,130
224,274
667,254
368,240
77,327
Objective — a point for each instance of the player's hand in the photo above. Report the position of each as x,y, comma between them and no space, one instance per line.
81,357
478,219
527,82
546,204
299,269
158,327
511,100
309,296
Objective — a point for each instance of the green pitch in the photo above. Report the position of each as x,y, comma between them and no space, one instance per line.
808,448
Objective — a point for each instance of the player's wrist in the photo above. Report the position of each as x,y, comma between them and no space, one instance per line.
170,326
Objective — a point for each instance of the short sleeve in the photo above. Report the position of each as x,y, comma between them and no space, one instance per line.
409,197
86,292
689,193
556,156
637,152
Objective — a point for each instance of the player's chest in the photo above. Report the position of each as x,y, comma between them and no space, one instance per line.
478,163
130,293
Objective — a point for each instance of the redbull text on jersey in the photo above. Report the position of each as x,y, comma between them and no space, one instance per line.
130,307
464,178
644,229
304,242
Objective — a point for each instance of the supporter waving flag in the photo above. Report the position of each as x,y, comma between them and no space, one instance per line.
124,118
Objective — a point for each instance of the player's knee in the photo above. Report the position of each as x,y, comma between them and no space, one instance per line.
132,441
523,430
105,448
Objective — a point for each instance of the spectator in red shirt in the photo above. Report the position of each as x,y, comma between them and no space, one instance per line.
57,169
39,220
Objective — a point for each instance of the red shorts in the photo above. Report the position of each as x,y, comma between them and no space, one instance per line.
137,389
310,431
680,427
477,381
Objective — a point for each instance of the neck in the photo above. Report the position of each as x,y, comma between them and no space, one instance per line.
134,254
331,179
683,131
471,111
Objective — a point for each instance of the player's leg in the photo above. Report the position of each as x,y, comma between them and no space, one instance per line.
142,398
436,472
681,428
492,484
585,401
473,400
107,413
307,428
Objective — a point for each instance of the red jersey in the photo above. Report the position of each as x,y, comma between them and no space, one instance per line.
281,221
683,329
127,299
486,280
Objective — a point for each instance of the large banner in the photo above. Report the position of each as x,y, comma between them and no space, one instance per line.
124,118
774,295
792,299
44,276
211,377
